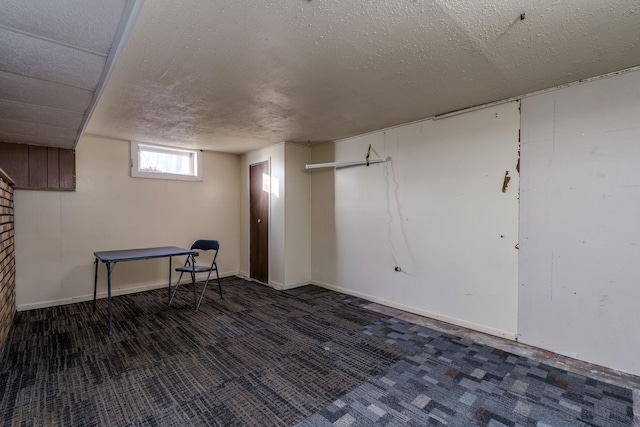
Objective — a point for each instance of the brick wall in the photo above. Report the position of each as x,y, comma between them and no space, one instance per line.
7,258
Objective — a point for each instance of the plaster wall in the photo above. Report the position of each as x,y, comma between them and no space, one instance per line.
57,232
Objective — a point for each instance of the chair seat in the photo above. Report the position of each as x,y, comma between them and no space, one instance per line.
196,269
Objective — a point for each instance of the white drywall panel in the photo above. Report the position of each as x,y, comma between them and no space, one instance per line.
37,238
438,211
580,216
297,216
323,222
57,232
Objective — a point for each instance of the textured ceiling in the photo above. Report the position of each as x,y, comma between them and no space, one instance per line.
234,76
54,58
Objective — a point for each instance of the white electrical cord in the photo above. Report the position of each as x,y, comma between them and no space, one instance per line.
392,191
387,174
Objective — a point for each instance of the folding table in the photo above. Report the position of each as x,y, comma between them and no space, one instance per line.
111,258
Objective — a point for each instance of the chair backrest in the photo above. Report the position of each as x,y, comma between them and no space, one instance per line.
205,245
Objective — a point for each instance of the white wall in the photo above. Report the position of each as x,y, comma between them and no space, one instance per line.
580,222
323,218
57,232
297,216
440,204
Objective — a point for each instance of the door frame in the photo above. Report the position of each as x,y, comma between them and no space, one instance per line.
257,162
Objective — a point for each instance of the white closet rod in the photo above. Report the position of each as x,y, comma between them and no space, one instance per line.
345,164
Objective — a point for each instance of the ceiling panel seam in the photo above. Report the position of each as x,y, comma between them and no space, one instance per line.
36,124
41,106
22,136
47,39
47,81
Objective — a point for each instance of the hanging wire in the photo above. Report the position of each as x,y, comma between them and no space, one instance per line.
390,180
392,194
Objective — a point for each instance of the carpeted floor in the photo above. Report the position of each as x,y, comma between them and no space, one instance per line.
261,357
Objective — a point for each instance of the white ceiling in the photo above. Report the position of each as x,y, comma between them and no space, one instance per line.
233,76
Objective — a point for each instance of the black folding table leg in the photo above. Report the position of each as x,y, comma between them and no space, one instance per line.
109,269
95,285
169,280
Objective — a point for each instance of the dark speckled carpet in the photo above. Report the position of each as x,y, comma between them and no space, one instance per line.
261,357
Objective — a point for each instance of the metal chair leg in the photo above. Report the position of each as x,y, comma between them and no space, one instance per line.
193,282
175,289
219,284
206,282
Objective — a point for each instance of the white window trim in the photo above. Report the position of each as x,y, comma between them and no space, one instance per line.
137,173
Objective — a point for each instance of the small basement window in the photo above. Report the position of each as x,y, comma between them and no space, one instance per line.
157,161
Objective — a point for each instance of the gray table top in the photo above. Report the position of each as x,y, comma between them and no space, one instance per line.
143,253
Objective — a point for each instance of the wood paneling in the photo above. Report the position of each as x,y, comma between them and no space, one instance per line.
41,168
67,169
14,159
53,168
37,166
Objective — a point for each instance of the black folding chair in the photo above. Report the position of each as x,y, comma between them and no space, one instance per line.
192,269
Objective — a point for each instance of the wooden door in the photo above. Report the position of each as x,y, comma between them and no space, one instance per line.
259,222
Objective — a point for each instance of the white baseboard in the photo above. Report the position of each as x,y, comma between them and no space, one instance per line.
283,287
421,312
103,294
245,276
273,284
296,285
276,285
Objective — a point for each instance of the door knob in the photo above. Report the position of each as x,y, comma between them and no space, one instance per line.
259,220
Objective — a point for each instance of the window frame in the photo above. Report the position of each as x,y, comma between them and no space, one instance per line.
136,147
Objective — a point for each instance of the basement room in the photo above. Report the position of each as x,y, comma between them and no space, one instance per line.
320,213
